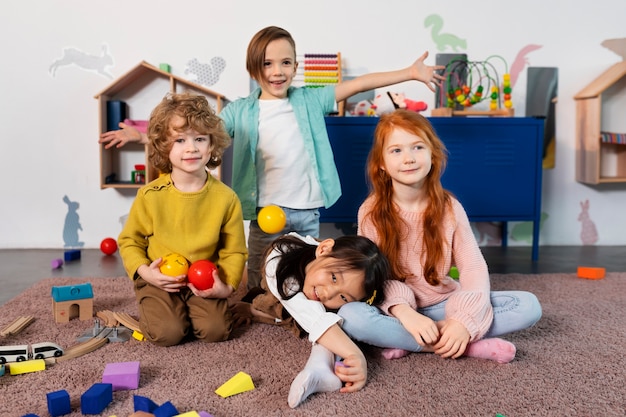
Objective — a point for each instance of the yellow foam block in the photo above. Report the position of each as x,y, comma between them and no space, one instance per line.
241,382
25,367
139,336
189,414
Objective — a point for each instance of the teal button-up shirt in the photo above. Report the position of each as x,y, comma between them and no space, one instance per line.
310,105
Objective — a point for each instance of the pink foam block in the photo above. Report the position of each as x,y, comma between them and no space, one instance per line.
122,375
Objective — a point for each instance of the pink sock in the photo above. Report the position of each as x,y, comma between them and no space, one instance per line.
493,349
392,353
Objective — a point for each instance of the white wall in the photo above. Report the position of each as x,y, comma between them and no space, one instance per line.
49,126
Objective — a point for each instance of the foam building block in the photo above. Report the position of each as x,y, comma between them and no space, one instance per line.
166,409
205,414
96,398
144,404
241,382
71,255
25,367
59,403
122,375
591,272
30,415
191,414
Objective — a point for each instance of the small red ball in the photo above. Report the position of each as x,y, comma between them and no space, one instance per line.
108,246
200,274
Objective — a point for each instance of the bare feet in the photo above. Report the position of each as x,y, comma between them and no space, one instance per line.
493,349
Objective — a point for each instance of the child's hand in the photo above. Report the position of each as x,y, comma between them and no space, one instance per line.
421,327
353,372
219,289
427,73
453,341
120,137
153,275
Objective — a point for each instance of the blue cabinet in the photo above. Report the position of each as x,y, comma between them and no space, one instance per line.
494,167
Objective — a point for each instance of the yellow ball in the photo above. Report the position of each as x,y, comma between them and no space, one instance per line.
272,219
174,265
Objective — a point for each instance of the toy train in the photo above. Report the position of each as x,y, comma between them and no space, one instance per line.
19,353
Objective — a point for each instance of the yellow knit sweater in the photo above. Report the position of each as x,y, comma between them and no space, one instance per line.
207,224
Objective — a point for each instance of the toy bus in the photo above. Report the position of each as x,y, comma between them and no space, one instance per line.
19,353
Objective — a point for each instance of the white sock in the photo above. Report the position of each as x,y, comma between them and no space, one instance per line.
318,375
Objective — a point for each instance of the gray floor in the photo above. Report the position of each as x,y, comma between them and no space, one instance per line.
21,268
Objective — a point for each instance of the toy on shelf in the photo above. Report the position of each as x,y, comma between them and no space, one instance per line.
319,70
482,83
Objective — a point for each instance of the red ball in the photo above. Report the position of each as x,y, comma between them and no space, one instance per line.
200,274
108,246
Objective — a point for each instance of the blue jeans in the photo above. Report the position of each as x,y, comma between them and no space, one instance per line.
304,222
512,311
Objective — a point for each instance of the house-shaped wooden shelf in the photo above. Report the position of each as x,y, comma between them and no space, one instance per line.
600,152
141,88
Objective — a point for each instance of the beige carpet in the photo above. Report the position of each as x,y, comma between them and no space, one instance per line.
572,363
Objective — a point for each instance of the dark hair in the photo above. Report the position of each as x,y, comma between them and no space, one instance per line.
356,253
255,56
198,115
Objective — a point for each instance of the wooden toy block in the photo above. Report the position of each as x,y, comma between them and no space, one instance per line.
59,403
122,375
24,367
591,272
96,398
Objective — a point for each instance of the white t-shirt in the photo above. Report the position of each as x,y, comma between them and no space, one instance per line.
311,315
284,172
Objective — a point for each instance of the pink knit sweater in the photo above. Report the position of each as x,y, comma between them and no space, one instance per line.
469,298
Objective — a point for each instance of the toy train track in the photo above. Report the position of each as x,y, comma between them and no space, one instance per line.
17,325
82,348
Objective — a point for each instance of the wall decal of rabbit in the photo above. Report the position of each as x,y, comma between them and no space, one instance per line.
588,233
85,61
72,224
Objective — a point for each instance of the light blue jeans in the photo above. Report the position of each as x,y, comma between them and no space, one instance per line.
512,311
304,222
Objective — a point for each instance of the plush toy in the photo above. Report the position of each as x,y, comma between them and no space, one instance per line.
363,108
388,102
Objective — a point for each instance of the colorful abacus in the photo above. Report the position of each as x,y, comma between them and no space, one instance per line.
318,70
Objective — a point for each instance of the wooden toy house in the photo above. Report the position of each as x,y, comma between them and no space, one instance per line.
136,93
601,149
72,301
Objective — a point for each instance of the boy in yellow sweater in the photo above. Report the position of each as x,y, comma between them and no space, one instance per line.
188,212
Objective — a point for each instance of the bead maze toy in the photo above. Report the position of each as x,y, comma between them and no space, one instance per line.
482,84
319,70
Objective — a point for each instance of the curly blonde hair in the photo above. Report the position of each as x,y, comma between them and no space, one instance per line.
198,115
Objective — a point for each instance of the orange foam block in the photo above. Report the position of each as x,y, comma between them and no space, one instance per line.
589,272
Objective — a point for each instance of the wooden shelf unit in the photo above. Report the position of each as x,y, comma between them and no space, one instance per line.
141,88
590,150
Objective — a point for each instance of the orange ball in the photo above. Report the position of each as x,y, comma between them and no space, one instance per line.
272,219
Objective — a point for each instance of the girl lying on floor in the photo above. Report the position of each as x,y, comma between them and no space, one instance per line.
304,283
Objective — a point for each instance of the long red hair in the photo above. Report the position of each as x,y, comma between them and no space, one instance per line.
384,214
